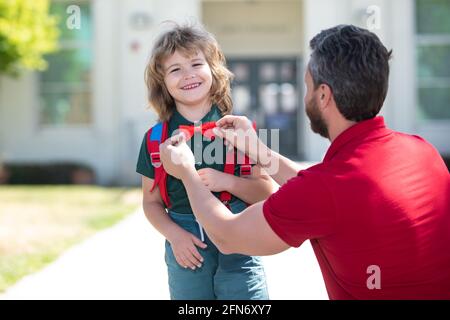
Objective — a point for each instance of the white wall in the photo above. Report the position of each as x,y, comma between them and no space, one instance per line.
319,15
106,105
256,28
17,119
130,81
402,94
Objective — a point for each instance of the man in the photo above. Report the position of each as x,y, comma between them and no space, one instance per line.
376,210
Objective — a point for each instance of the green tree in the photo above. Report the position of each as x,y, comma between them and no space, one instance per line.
27,32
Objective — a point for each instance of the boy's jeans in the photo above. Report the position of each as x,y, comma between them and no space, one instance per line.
222,277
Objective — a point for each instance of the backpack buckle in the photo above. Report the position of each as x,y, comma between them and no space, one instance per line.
246,170
156,159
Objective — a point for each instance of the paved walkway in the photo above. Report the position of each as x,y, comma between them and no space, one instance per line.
127,262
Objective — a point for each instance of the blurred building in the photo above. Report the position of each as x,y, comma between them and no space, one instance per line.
90,105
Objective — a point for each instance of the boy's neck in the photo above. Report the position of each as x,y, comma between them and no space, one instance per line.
194,113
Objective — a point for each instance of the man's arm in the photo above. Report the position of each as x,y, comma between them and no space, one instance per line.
280,168
252,189
258,187
246,233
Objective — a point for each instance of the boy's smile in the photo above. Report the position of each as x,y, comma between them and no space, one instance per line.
192,86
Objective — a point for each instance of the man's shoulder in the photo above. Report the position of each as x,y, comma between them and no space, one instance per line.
316,170
414,146
413,139
312,175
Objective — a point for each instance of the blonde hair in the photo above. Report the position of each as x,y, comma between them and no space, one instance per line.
188,39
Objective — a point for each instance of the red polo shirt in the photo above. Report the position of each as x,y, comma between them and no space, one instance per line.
380,199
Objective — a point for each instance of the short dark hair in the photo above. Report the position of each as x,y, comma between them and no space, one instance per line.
354,63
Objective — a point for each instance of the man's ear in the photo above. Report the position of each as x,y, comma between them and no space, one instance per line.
325,95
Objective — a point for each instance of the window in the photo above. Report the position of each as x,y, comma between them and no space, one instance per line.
65,87
433,56
266,90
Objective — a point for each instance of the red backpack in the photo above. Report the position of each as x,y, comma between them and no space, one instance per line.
157,135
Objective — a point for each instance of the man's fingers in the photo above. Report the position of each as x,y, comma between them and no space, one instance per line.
218,132
169,147
227,121
234,122
230,137
204,180
177,139
204,171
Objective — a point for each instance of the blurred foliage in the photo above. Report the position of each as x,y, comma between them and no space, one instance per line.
433,16
27,32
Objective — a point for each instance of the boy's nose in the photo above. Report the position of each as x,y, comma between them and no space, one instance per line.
189,76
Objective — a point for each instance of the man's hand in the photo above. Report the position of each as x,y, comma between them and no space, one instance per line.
177,157
215,181
238,132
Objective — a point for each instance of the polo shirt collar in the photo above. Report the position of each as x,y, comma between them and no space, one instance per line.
212,116
375,126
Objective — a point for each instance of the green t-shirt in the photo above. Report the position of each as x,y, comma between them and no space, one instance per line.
175,188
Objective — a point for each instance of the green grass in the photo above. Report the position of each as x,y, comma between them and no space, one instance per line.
37,223
15,266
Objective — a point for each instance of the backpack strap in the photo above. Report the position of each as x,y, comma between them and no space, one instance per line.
228,168
246,167
230,163
155,136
